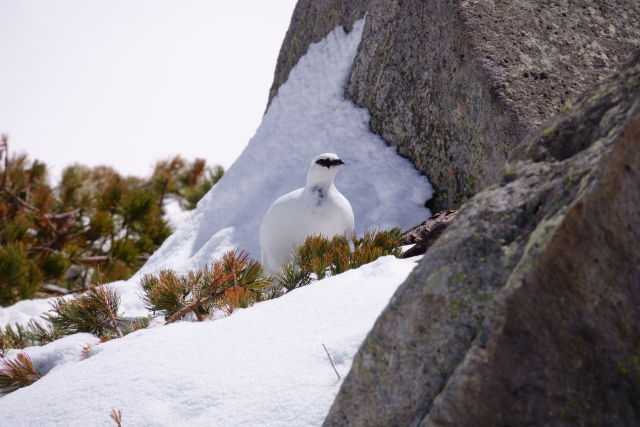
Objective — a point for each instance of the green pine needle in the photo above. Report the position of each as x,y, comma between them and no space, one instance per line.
95,311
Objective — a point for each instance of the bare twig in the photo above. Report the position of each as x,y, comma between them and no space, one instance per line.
97,259
116,416
4,149
63,217
192,306
331,360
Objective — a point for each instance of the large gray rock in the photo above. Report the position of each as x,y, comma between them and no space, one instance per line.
526,311
456,84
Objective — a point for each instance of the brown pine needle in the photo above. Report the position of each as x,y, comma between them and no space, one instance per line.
17,373
116,416
86,351
331,360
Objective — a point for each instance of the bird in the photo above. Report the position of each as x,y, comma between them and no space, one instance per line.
318,208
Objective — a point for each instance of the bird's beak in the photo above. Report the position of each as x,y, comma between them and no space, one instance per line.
340,162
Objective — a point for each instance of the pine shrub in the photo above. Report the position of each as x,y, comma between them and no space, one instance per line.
19,275
95,225
95,311
165,293
319,257
231,282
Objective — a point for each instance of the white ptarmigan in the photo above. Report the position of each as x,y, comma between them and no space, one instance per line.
317,209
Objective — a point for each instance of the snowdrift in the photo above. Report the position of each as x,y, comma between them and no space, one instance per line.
262,366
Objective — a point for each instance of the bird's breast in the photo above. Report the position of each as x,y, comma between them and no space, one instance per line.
319,195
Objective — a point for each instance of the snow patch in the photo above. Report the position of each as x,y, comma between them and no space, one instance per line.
262,366
59,352
174,214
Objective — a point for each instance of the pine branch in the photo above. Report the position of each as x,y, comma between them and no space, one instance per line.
293,276
95,311
17,373
40,334
165,293
12,337
208,286
192,306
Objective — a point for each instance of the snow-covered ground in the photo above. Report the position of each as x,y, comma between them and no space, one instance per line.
264,365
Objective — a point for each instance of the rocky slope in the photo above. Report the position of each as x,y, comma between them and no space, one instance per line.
525,310
456,84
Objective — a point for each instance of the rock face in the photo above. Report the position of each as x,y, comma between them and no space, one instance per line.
456,84
526,310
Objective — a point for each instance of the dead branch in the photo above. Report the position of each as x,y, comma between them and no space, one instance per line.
422,236
331,360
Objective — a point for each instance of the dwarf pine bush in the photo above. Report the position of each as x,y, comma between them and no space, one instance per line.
94,225
95,311
19,273
231,282
319,257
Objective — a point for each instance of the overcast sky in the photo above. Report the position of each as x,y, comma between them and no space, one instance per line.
128,82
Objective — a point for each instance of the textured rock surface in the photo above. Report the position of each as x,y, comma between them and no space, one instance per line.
456,84
526,310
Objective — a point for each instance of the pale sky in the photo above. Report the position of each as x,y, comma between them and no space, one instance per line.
129,82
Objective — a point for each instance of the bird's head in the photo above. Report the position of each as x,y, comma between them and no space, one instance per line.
324,168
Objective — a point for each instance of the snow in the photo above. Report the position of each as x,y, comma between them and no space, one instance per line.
59,352
262,366
174,214
23,311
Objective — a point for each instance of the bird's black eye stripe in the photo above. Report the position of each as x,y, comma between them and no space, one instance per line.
327,163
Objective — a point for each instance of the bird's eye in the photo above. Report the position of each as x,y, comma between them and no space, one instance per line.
327,163
324,162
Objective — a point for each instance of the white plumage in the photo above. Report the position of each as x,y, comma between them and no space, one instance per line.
317,209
